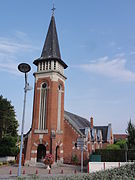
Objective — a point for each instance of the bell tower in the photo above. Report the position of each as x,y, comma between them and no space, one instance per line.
48,107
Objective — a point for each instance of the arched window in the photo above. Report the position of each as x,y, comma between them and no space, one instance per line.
43,100
59,107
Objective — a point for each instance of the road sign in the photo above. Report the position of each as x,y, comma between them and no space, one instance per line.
80,142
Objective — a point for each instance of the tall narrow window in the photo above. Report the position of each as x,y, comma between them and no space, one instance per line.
43,100
40,66
54,64
59,107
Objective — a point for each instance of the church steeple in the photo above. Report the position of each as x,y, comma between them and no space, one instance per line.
51,50
51,45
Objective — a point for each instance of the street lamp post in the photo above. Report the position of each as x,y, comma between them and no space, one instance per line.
24,68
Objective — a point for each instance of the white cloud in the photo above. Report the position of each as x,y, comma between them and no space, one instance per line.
10,49
115,68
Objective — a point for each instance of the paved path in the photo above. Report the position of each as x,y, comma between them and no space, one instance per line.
37,171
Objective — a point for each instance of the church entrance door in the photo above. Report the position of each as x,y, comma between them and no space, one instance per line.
57,157
41,152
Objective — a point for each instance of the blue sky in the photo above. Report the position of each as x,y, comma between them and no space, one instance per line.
97,41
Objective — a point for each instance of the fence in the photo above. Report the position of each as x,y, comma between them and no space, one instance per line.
7,158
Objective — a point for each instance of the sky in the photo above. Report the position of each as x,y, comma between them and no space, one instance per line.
97,42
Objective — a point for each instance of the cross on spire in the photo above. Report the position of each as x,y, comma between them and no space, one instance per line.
53,9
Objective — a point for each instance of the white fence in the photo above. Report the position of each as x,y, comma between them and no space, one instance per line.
7,158
99,166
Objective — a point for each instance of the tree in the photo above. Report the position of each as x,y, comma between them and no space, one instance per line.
8,146
113,147
8,128
122,143
131,135
8,122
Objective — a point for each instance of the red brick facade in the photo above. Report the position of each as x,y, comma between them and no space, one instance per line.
48,139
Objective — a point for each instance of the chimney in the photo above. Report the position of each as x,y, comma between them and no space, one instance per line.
91,122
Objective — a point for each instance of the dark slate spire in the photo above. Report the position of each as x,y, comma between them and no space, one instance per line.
51,46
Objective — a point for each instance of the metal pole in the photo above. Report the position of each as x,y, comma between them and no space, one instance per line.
22,130
126,155
81,159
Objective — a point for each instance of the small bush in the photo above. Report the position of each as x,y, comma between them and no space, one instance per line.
75,159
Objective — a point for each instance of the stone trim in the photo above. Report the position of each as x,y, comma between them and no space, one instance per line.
34,151
38,131
34,160
59,131
35,144
54,75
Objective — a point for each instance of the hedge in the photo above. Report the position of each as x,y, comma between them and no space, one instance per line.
108,155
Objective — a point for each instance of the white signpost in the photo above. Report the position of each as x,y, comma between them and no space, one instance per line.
80,143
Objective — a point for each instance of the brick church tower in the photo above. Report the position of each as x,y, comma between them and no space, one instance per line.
46,134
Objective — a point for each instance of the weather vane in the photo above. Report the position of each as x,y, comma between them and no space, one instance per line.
53,9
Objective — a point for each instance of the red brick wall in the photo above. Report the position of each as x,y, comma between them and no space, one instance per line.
70,137
51,117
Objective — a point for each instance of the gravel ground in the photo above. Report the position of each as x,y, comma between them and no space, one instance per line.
10,172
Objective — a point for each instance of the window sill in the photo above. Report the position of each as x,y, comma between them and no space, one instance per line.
38,131
59,131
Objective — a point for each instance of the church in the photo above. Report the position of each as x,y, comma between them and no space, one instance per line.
54,130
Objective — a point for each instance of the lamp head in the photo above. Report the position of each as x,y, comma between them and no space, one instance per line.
24,67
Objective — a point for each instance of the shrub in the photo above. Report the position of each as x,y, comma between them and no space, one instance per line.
74,159
109,155
113,146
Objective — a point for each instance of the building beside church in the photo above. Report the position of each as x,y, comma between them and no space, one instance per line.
54,130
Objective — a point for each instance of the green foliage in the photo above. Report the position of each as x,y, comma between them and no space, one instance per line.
74,159
131,154
8,128
122,143
113,146
8,146
131,135
111,155
8,122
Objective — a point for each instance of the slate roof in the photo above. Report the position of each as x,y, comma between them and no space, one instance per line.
104,130
80,123
51,48
51,45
